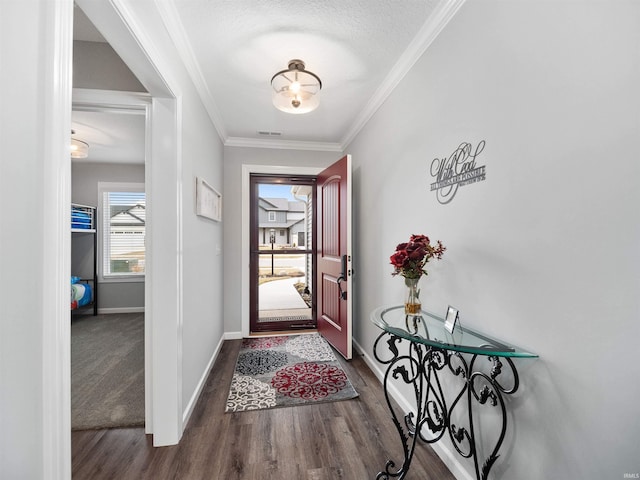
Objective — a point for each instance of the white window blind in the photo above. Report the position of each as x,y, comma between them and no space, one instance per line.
123,227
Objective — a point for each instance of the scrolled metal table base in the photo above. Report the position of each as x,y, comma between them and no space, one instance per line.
421,368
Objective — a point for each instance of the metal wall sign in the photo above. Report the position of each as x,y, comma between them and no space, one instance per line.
460,168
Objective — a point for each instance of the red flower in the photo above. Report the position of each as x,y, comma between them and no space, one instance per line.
398,258
410,258
416,251
423,239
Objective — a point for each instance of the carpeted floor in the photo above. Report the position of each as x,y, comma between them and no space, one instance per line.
286,371
107,371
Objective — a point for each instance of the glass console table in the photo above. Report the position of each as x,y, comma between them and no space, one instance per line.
432,352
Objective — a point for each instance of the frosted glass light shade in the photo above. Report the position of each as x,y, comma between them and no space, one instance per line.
79,149
295,90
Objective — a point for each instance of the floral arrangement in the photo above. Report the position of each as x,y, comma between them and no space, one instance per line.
410,258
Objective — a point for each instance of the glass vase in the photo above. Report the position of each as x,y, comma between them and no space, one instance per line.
412,304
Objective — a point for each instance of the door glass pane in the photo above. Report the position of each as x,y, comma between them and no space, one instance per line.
284,216
284,287
284,253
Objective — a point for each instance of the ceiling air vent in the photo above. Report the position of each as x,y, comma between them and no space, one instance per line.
265,133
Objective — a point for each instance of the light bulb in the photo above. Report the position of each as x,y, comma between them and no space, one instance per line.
295,87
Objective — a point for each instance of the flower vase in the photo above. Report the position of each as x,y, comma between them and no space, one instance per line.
412,304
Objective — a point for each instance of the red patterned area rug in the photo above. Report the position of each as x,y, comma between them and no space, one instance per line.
286,371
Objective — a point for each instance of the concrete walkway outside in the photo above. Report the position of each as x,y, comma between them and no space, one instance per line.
280,295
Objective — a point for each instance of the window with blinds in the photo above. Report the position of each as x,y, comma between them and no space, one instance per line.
123,231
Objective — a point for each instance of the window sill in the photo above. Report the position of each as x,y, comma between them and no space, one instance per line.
123,279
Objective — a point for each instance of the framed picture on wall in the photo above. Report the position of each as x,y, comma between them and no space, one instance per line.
208,201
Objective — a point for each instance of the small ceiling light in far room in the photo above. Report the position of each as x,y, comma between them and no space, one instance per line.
295,90
79,149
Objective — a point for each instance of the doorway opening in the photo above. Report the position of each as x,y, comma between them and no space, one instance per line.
282,253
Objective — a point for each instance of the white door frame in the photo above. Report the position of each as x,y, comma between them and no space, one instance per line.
247,170
163,277
56,254
163,299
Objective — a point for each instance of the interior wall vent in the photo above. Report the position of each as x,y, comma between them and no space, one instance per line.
269,134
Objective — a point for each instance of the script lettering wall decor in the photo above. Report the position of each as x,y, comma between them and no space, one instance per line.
458,169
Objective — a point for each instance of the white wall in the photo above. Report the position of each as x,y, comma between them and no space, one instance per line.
543,253
202,275
34,185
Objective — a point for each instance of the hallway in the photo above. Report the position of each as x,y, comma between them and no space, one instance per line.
349,440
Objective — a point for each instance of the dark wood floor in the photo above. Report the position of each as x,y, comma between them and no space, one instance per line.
350,440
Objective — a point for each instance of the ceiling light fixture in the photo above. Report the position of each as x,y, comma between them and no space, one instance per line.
79,149
295,89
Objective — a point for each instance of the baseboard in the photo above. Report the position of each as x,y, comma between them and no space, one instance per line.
233,335
105,311
445,454
450,459
203,380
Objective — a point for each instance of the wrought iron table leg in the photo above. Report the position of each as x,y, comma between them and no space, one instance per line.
420,368
397,367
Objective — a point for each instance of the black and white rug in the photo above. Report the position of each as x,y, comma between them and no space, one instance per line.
286,371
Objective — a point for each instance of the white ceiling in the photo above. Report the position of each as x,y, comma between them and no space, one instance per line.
359,48
113,136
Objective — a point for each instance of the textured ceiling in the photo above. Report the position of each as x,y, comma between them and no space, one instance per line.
360,49
351,45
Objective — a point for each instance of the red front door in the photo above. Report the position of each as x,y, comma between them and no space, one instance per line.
334,274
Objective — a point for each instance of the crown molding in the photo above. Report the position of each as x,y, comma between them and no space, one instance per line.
171,19
442,15
436,22
282,144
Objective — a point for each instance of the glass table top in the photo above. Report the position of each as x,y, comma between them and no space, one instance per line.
428,329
